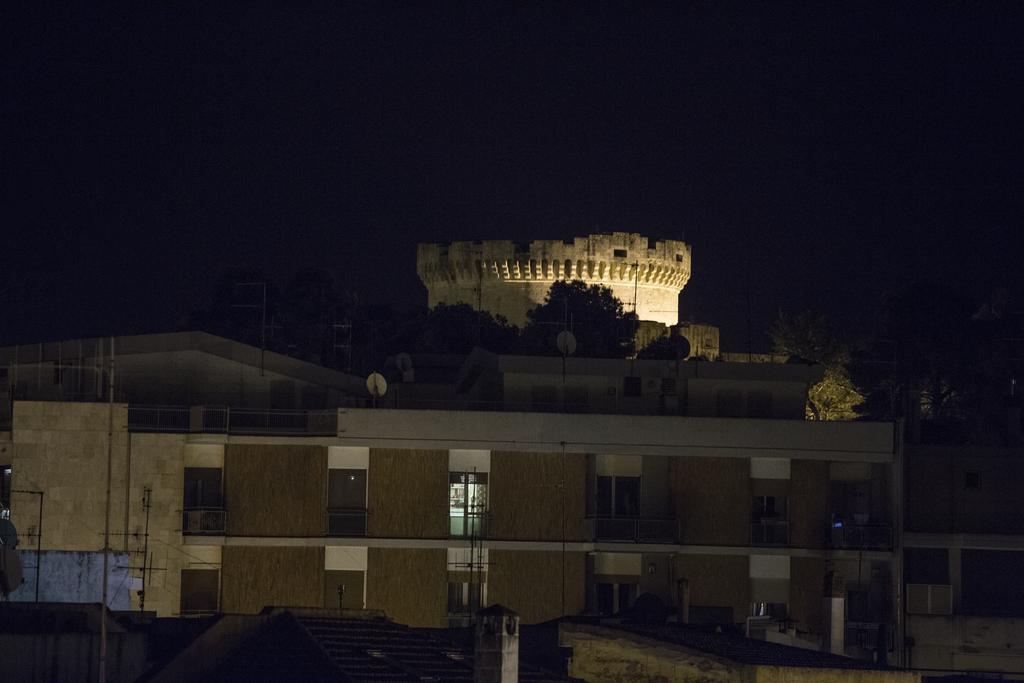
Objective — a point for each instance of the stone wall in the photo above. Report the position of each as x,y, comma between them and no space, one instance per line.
61,449
508,279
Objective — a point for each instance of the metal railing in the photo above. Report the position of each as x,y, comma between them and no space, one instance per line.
769,532
863,536
632,529
346,522
468,525
158,418
204,521
225,420
314,422
863,634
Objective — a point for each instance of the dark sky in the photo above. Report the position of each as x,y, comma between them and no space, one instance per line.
824,153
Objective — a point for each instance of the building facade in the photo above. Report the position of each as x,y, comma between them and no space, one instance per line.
723,505
963,558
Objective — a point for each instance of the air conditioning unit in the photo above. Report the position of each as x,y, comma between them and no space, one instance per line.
929,598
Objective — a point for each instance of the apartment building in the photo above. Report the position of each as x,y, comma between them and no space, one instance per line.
697,485
964,558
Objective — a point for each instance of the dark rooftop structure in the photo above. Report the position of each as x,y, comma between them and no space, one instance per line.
744,650
323,645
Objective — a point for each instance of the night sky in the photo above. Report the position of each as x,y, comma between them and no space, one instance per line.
822,153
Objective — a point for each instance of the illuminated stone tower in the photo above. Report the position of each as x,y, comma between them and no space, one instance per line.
508,279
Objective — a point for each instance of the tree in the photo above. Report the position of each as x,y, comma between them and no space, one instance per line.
454,328
591,312
933,347
808,336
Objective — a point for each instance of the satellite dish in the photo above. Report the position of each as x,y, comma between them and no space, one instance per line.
376,385
682,345
403,362
566,342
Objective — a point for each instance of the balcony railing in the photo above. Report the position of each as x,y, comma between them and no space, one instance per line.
864,634
346,522
862,536
769,532
225,420
204,521
632,529
468,525
158,418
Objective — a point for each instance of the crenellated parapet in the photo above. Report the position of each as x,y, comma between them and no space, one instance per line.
508,279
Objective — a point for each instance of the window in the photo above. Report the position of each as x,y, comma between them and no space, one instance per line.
775,610
464,598
203,487
769,520
615,598
467,504
769,507
203,511
199,590
346,502
679,258
618,496
620,253
631,386
5,486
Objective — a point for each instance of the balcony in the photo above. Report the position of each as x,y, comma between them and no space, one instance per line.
204,521
861,536
468,525
224,420
865,635
769,532
632,529
346,522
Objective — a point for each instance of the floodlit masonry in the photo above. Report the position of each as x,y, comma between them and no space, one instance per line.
508,279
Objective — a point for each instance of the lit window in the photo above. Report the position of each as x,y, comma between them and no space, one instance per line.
467,503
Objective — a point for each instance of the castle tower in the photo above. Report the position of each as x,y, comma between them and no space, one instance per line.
508,279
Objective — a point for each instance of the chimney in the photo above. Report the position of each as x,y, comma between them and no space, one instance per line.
684,601
496,651
834,614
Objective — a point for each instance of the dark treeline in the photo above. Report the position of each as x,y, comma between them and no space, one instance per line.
958,360
314,318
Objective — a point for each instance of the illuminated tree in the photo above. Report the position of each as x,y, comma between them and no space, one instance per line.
809,336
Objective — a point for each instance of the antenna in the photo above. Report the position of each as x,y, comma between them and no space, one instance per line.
263,317
147,494
346,329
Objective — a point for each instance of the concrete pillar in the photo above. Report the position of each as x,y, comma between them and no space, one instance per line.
684,601
954,577
496,651
834,617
